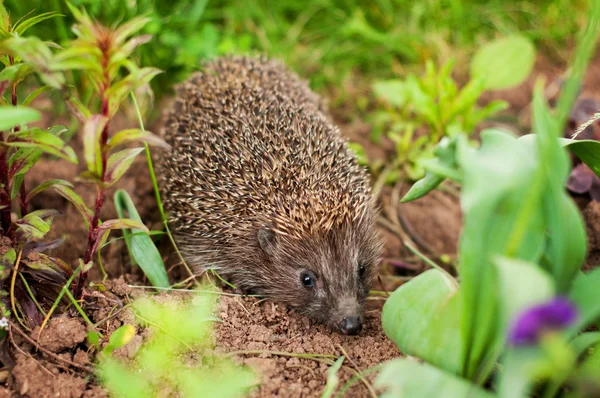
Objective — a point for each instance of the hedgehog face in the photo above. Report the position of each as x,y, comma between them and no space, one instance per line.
326,277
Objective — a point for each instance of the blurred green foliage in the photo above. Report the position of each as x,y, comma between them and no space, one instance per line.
322,39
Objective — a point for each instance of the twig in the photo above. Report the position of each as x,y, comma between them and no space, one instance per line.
49,353
12,288
12,340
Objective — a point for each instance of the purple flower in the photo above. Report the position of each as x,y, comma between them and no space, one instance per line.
556,314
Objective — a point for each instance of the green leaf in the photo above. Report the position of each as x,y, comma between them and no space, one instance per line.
585,293
423,317
92,132
586,150
134,135
37,54
119,91
128,29
142,250
43,140
15,186
422,187
22,160
359,152
391,91
502,218
34,94
76,200
93,339
14,116
28,23
123,382
120,337
118,163
45,263
516,294
504,63
407,378
445,151
36,225
45,185
332,378
14,74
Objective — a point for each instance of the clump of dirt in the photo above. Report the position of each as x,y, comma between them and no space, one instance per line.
259,326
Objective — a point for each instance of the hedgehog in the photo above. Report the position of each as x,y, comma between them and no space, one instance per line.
261,186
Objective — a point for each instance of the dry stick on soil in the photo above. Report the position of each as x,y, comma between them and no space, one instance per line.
359,373
49,353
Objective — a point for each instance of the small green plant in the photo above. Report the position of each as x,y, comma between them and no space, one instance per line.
420,110
516,323
179,356
35,277
104,55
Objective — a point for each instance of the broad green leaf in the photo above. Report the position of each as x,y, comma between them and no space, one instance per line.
332,378
93,339
584,341
118,163
586,150
518,372
119,338
36,225
15,186
504,63
403,378
76,200
391,91
516,294
134,135
92,133
47,184
142,250
14,116
43,140
567,243
502,218
585,293
423,318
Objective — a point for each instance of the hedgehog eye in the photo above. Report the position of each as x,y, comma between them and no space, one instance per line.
308,279
362,268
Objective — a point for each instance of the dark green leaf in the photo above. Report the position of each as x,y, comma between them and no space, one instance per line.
14,74
22,160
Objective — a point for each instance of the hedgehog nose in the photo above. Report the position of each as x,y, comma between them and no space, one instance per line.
350,325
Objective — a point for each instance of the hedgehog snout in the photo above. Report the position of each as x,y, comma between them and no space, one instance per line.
350,325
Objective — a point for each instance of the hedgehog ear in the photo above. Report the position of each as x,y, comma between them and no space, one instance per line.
267,239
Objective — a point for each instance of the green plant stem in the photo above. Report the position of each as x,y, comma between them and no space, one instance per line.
58,298
79,309
39,307
159,203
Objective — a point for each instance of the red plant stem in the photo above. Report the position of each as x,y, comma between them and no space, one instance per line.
93,234
22,190
4,193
